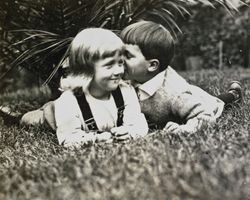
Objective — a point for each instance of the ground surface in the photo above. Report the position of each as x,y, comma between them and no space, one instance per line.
211,164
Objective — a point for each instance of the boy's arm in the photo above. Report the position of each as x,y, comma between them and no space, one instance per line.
196,107
191,126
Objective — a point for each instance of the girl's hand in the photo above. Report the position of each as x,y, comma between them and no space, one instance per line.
120,133
104,137
89,138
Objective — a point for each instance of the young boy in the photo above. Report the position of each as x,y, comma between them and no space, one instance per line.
165,97
96,105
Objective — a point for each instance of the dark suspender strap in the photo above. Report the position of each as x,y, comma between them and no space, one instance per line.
85,110
119,102
137,92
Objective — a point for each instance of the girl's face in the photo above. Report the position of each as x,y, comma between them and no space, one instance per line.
108,72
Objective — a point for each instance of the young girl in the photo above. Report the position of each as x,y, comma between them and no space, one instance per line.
97,105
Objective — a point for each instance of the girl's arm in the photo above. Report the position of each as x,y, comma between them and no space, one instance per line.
70,127
134,122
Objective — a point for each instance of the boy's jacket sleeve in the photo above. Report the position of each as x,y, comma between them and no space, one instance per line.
196,106
190,103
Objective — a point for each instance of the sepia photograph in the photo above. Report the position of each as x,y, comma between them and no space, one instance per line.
124,99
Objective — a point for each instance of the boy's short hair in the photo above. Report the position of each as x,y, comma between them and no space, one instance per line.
154,41
90,45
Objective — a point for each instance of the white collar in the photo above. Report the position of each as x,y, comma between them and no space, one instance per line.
152,85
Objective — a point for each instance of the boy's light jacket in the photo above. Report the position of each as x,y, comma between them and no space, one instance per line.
168,97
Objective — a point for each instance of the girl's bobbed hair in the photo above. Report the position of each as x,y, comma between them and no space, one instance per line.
90,45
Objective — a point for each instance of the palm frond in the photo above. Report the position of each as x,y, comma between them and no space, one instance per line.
39,32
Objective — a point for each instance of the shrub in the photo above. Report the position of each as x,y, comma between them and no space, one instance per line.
202,35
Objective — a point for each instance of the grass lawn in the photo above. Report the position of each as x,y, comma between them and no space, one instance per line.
212,164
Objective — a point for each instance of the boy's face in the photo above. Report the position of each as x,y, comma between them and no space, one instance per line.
136,65
107,73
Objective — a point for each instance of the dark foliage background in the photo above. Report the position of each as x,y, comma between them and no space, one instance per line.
34,35
206,28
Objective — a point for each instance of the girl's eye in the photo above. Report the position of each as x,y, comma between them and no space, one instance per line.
109,66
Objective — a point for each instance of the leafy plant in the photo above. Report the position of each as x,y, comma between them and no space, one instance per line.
202,36
35,34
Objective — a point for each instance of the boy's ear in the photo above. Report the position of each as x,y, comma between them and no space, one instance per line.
154,65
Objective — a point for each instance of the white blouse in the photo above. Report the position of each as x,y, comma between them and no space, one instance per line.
71,127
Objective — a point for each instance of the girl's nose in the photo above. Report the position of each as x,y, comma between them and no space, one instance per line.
119,70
